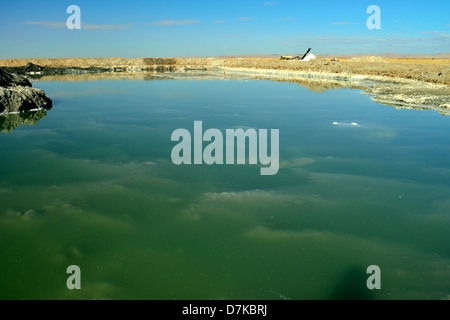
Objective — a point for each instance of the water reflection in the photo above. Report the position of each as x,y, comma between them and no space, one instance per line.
95,187
398,95
316,85
11,121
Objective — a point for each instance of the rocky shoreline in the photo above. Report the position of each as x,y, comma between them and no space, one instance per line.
17,95
438,73
36,71
413,86
397,92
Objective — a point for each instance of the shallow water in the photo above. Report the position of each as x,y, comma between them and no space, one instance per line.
93,185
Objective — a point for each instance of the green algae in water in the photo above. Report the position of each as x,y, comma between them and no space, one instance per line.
93,185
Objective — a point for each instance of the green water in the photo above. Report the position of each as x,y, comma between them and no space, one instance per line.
93,185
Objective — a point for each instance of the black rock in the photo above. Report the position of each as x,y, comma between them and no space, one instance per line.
17,94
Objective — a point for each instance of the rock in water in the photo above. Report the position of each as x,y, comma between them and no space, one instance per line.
17,95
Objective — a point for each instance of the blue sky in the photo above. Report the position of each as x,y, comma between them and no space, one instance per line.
37,29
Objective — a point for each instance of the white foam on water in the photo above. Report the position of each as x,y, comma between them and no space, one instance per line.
346,124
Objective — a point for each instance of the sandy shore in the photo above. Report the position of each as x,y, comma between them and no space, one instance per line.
402,83
426,70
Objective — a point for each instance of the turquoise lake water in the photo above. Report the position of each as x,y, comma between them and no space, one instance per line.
93,185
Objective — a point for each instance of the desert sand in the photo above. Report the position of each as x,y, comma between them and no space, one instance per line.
426,70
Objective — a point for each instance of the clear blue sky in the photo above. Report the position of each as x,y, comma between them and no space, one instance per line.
210,28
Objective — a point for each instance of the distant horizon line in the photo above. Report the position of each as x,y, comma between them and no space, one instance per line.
394,54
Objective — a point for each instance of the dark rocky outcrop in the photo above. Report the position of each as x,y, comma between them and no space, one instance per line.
35,71
17,94
159,61
10,79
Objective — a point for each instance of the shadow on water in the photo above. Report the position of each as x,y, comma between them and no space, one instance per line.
11,121
352,286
